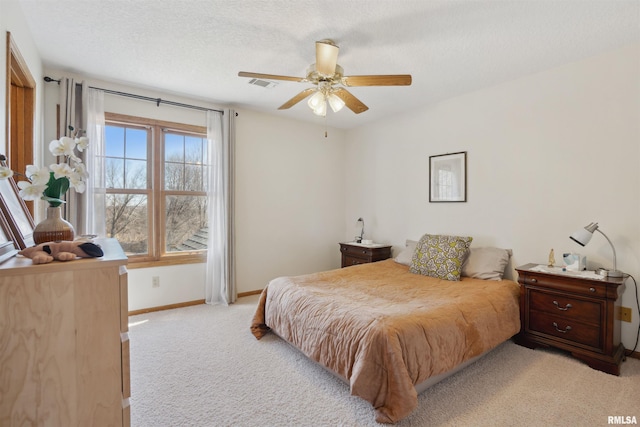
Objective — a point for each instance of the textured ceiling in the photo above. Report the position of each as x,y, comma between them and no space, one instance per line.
196,47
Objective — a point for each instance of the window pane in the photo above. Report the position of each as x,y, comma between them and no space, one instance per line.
173,147
136,144
127,221
114,137
193,178
114,173
136,176
174,176
186,223
193,149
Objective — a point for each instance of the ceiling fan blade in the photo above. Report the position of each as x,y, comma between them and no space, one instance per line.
299,97
351,101
326,57
379,80
270,76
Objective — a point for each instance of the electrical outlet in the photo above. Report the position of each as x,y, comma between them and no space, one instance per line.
155,282
625,314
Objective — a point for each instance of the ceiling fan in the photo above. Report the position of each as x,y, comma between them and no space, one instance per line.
328,77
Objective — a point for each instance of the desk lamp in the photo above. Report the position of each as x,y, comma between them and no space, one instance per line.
583,236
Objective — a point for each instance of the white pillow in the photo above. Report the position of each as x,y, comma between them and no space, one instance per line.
486,263
405,256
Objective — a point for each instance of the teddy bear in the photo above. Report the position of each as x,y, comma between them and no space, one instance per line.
61,251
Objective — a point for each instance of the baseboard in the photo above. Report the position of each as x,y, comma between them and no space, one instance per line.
246,294
166,307
185,304
633,354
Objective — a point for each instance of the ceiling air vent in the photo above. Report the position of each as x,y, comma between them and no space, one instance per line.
263,83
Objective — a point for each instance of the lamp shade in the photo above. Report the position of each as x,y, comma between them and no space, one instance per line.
582,236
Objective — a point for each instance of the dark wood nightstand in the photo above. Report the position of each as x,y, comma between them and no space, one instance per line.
573,313
356,253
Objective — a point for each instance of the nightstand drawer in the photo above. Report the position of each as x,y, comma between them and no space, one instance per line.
349,261
566,284
356,251
570,330
354,254
571,309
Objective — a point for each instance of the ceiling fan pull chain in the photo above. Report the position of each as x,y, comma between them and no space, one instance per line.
325,126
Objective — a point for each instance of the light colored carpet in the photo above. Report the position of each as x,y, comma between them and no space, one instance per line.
200,366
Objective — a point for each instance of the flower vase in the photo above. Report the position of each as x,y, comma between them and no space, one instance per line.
53,227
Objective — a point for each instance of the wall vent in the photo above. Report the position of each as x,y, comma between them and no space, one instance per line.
263,83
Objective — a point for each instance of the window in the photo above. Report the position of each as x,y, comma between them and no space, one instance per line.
156,182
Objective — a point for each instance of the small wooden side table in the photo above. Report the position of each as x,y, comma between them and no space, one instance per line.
358,253
573,311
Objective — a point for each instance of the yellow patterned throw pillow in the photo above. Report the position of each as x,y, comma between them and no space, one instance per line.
440,256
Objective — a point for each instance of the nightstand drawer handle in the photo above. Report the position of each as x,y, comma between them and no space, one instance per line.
567,329
534,281
592,289
565,308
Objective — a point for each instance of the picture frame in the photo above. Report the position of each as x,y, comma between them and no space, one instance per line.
8,245
16,214
448,177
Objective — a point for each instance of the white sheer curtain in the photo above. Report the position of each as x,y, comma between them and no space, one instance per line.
93,200
220,270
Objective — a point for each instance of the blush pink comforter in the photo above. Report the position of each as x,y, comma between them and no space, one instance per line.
385,329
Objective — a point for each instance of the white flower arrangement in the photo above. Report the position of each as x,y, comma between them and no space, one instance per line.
50,184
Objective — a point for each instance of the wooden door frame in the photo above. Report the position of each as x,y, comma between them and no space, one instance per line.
20,110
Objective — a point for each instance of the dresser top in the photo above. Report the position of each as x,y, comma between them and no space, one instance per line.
580,275
370,245
113,255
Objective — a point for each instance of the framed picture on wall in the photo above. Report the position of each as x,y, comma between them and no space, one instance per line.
16,214
448,177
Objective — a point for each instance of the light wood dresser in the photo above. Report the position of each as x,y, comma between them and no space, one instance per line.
64,346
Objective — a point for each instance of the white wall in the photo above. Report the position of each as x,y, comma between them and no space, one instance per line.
547,154
289,198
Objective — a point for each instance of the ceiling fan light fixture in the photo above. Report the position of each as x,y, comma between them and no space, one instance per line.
335,102
321,110
318,103
316,100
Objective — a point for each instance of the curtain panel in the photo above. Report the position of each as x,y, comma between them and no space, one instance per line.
220,285
92,206
69,121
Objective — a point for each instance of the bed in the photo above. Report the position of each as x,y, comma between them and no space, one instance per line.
388,330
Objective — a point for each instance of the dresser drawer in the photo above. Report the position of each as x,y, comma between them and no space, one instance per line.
567,329
566,307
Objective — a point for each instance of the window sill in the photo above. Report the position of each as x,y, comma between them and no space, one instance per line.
166,261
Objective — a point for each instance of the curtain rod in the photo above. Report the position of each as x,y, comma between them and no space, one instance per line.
158,101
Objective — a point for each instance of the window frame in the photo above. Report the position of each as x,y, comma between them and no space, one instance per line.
156,195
